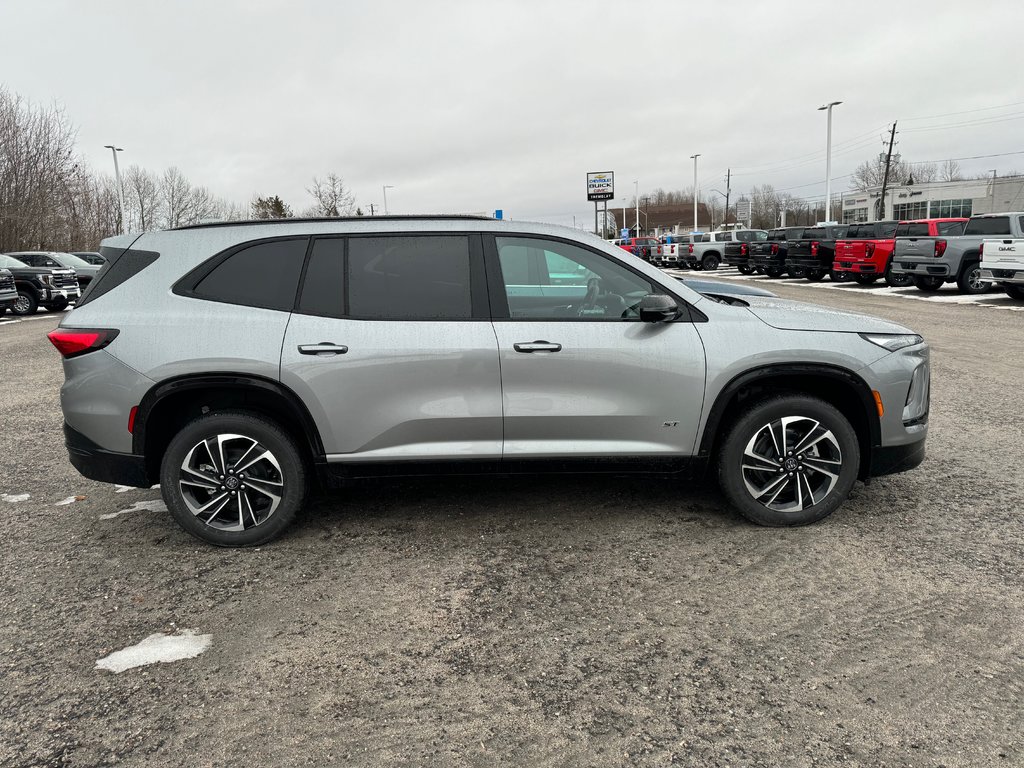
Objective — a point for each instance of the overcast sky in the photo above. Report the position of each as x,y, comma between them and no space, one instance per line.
473,106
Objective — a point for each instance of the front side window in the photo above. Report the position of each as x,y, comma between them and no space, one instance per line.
551,280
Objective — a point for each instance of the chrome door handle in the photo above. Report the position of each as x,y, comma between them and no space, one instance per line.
537,346
323,348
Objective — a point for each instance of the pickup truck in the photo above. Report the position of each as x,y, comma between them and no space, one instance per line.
1002,262
716,247
866,251
769,256
815,252
639,246
933,261
40,286
8,291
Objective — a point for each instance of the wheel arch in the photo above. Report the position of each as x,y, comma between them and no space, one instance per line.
171,404
838,386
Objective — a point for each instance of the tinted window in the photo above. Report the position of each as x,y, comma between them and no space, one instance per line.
119,267
815,233
323,288
263,275
409,278
912,229
990,225
11,263
549,280
794,234
888,229
955,227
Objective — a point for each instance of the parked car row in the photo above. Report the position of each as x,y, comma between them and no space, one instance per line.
48,279
925,253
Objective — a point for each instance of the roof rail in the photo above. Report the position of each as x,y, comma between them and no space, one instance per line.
311,220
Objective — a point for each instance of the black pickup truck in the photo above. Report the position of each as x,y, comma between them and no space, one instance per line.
815,252
769,256
40,286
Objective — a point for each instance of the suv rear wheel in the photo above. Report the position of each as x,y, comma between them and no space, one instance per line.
789,460
233,479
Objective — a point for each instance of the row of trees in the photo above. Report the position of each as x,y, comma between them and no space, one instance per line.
50,199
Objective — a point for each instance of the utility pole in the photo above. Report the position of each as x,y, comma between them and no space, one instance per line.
880,210
993,208
728,189
371,209
694,158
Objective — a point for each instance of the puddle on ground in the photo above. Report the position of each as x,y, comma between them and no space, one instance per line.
157,648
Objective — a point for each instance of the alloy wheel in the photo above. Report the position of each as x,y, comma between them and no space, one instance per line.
231,482
791,463
21,305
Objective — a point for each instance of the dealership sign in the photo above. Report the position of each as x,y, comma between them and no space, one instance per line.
743,211
601,186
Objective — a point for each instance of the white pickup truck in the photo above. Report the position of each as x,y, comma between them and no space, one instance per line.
1002,262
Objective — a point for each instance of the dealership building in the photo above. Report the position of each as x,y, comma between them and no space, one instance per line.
937,199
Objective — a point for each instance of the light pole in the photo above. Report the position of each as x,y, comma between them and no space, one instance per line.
120,190
386,187
828,159
694,158
636,197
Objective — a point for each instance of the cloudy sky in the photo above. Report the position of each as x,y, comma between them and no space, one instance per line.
473,106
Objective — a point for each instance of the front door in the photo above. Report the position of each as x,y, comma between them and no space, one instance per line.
581,374
393,351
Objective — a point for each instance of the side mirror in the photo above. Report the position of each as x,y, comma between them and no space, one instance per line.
657,308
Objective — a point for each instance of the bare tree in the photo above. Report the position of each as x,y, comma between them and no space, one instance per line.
141,198
950,171
331,196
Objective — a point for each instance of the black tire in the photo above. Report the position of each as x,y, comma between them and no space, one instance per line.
57,306
26,304
897,280
798,272
926,283
866,279
745,269
774,271
969,280
285,469
2,311
710,262
814,275
838,277
749,430
1015,292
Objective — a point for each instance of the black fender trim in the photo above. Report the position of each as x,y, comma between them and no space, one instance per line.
765,373
227,381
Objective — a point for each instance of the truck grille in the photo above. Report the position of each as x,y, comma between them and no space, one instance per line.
65,281
6,282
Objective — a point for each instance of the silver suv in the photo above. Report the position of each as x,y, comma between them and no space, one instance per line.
240,365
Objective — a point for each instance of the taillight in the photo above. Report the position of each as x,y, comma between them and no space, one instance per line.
744,249
940,247
689,249
131,419
71,342
981,249
814,248
869,249
775,249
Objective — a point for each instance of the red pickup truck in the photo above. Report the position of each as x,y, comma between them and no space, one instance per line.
639,246
866,251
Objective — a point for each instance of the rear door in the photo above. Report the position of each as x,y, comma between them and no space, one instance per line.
392,349
581,375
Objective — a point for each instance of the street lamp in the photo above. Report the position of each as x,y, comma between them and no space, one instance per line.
120,190
694,158
386,187
828,159
636,197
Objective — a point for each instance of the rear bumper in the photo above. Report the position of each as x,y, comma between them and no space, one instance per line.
857,267
929,267
105,466
1004,276
808,263
888,460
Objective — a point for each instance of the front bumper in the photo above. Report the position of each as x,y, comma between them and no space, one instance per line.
888,460
102,465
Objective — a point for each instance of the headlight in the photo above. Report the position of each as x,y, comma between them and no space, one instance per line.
892,341
47,279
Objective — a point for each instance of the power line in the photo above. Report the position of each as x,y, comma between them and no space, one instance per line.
970,123
964,112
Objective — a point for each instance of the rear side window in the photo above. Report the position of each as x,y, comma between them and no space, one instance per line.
323,288
263,275
409,278
957,227
888,230
913,229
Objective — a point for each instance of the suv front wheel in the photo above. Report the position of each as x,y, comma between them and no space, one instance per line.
233,479
789,460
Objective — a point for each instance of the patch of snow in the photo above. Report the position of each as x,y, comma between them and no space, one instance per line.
124,488
14,498
152,505
157,648
65,502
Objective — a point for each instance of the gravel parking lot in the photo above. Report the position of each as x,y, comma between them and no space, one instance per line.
595,621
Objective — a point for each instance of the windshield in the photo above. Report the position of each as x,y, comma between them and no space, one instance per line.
760,236
10,261
70,260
